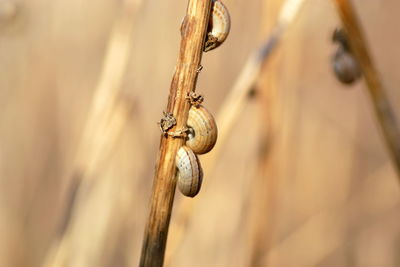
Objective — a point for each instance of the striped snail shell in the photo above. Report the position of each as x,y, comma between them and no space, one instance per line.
219,25
190,173
345,66
203,130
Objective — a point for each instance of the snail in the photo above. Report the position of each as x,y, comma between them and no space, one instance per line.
345,66
203,131
219,26
190,173
339,36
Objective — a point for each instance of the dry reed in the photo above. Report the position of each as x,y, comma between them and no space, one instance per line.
193,31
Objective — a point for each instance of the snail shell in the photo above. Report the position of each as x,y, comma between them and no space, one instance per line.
339,36
345,66
219,26
190,174
203,130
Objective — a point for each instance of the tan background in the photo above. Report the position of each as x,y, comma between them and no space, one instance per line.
332,193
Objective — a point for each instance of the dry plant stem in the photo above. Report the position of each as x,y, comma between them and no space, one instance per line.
193,32
383,110
231,109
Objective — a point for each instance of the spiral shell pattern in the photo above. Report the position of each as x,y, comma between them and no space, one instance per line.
190,173
219,26
203,130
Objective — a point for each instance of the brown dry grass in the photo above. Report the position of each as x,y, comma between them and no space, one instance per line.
334,191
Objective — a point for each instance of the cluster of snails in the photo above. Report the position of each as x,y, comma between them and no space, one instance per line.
201,138
344,64
201,134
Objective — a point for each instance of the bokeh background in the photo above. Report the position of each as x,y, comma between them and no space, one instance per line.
303,179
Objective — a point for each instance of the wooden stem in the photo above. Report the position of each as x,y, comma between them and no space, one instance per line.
383,110
193,30
231,109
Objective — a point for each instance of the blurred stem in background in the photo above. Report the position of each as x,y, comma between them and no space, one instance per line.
260,224
384,112
108,115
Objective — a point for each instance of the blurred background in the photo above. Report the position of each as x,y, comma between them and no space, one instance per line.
302,179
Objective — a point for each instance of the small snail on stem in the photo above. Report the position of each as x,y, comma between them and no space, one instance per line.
203,130
219,27
344,64
190,173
